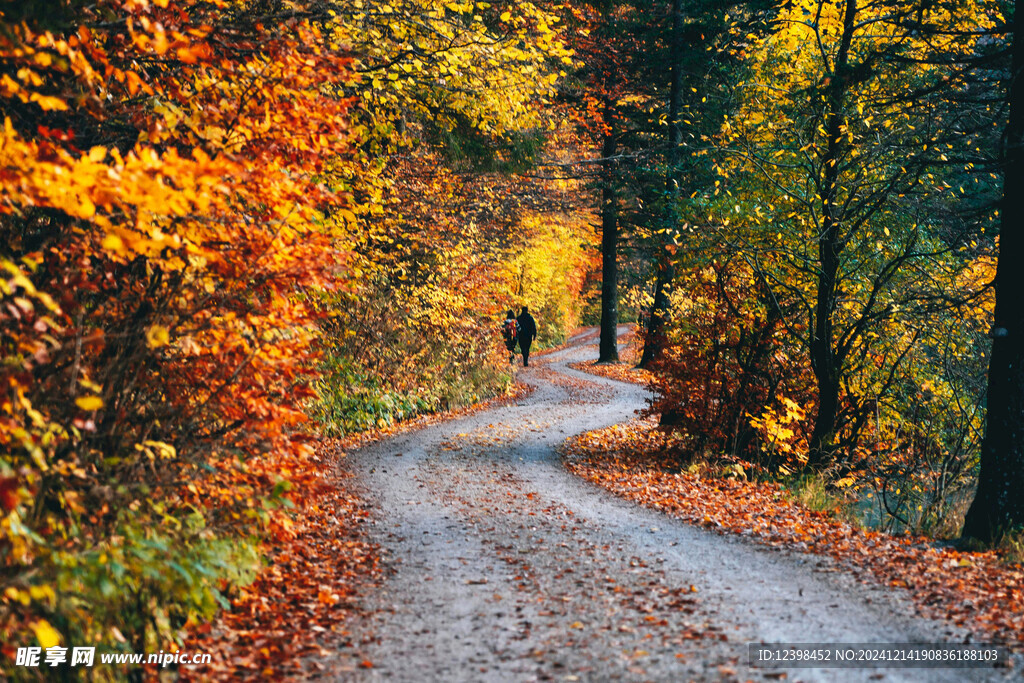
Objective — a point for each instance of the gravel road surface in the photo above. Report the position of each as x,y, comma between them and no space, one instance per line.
502,566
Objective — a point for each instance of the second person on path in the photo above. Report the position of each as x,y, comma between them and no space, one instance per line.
527,333
510,332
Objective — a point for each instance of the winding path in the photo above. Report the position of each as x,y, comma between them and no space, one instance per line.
505,567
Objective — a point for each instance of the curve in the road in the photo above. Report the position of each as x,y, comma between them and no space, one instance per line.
507,567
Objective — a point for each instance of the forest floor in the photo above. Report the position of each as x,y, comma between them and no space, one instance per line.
499,564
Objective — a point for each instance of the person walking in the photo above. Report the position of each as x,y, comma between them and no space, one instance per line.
527,333
510,332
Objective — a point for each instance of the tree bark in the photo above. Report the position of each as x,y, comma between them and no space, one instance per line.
609,349
827,366
654,341
998,505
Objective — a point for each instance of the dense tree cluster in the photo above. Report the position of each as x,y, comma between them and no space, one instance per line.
817,200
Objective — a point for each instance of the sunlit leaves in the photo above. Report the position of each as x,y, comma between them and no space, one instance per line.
442,65
834,180
160,229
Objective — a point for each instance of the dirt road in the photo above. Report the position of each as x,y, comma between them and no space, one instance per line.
504,567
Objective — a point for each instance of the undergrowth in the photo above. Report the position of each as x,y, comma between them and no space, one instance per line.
817,494
351,400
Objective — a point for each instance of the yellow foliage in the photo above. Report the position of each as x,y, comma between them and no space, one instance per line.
89,402
47,635
548,272
157,336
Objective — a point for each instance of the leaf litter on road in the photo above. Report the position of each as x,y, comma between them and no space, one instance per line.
975,590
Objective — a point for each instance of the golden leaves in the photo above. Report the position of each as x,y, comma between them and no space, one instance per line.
205,223
157,336
490,79
89,403
47,635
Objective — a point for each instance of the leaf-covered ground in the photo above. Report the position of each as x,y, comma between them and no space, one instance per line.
308,587
629,355
975,590
622,371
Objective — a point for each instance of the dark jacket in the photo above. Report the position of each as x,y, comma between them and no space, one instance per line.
527,328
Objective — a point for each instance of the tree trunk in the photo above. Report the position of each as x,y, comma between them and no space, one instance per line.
998,505
609,348
826,365
654,341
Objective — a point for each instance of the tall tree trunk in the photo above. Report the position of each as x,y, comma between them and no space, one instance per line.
998,505
609,348
654,342
825,363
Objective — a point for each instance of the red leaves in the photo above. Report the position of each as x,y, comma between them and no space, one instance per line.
728,364
9,493
307,589
974,590
623,372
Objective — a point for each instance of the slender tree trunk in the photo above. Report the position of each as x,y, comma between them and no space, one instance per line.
826,365
654,339
998,505
654,342
609,349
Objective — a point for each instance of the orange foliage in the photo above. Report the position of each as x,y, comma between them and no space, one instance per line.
162,186
728,362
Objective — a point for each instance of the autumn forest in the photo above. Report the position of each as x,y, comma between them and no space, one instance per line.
256,257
